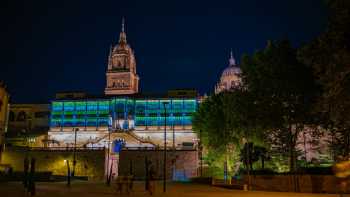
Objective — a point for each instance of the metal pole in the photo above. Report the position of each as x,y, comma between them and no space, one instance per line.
164,162
200,152
108,181
174,151
68,174
173,135
74,150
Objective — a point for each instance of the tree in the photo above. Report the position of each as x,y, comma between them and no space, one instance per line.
284,90
229,119
252,153
329,57
212,120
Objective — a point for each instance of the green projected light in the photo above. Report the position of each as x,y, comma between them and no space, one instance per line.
145,112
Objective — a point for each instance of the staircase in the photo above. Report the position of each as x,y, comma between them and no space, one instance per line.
145,141
95,141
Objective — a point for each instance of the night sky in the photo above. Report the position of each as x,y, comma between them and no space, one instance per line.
51,46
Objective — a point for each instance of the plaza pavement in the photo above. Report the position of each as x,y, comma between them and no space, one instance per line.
99,189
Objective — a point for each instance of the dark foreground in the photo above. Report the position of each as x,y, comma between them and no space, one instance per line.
99,189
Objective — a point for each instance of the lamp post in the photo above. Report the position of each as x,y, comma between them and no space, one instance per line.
174,149
201,152
68,172
173,133
108,178
164,162
74,150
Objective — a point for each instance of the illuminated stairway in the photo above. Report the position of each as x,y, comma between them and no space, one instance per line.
132,141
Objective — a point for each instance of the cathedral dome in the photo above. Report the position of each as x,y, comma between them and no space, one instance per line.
230,77
231,71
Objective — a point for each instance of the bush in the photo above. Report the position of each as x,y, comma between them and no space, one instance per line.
258,172
316,171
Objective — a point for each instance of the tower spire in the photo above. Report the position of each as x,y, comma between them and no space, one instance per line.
232,60
122,35
123,24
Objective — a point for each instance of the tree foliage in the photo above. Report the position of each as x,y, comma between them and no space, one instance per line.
284,91
329,57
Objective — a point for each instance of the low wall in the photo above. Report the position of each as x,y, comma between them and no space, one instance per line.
89,162
304,183
133,161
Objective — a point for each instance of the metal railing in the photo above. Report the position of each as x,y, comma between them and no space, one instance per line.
159,148
56,148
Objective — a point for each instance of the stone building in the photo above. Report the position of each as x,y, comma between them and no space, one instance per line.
230,77
135,117
4,100
121,73
28,124
123,114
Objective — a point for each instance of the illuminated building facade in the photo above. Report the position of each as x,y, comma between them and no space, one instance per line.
137,119
122,113
145,118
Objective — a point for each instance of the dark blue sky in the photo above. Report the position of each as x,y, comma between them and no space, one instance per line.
51,46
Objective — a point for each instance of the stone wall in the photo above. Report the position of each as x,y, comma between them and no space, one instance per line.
186,163
89,162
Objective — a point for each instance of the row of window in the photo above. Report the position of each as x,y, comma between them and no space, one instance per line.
24,116
79,122
159,121
120,105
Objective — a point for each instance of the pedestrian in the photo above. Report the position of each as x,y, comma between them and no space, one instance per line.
31,183
152,177
130,182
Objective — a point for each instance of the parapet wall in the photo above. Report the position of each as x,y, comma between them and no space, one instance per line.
133,162
303,183
89,162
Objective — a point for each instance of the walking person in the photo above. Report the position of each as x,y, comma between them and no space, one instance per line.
31,180
151,182
130,182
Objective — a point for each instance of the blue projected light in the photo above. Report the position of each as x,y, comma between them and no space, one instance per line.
102,112
118,145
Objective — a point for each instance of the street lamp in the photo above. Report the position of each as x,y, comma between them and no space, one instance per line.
201,152
164,162
108,177
74,150
68,172
174,147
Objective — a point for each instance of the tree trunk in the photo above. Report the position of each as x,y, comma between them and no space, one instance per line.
248,165
292,142
347,144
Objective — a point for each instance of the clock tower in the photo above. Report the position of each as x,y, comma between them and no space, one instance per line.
121,73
